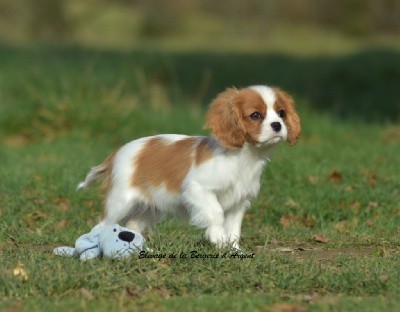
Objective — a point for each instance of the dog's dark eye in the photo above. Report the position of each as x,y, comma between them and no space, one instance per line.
255,116
115,230
282,113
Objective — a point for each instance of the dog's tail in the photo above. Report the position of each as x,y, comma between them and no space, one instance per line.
99,172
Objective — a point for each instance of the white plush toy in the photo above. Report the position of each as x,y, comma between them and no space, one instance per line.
112,241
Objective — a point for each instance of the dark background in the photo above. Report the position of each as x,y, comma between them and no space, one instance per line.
339,56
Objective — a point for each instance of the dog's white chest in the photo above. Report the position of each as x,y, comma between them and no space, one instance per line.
244,186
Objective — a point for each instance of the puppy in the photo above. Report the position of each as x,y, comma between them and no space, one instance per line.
210,180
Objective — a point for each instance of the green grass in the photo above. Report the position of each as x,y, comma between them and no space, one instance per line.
63,110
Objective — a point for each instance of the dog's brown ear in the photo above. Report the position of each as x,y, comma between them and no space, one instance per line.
223,119
292,119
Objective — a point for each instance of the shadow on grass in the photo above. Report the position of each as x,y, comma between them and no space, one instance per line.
363,86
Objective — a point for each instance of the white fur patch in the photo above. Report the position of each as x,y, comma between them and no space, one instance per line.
267,94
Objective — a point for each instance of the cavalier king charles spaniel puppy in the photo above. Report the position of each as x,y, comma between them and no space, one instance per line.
210,180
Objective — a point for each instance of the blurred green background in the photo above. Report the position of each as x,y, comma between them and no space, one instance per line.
341,56
289,25
311,26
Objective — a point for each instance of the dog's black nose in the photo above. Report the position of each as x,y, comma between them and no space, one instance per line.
126,236
276,126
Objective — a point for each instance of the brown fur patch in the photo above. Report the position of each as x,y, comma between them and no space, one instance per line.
222,118
161,162
229,117
106,170
292,120
204,150
250,101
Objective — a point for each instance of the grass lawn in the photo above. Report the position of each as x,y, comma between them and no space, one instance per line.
325,229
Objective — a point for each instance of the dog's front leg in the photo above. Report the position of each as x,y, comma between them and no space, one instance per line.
233,224
206,212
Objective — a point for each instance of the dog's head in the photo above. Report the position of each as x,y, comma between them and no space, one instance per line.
259,115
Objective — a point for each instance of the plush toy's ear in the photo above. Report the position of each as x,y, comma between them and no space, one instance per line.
90,254
89,240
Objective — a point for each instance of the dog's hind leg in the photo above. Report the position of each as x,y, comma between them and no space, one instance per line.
143,217
119,205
